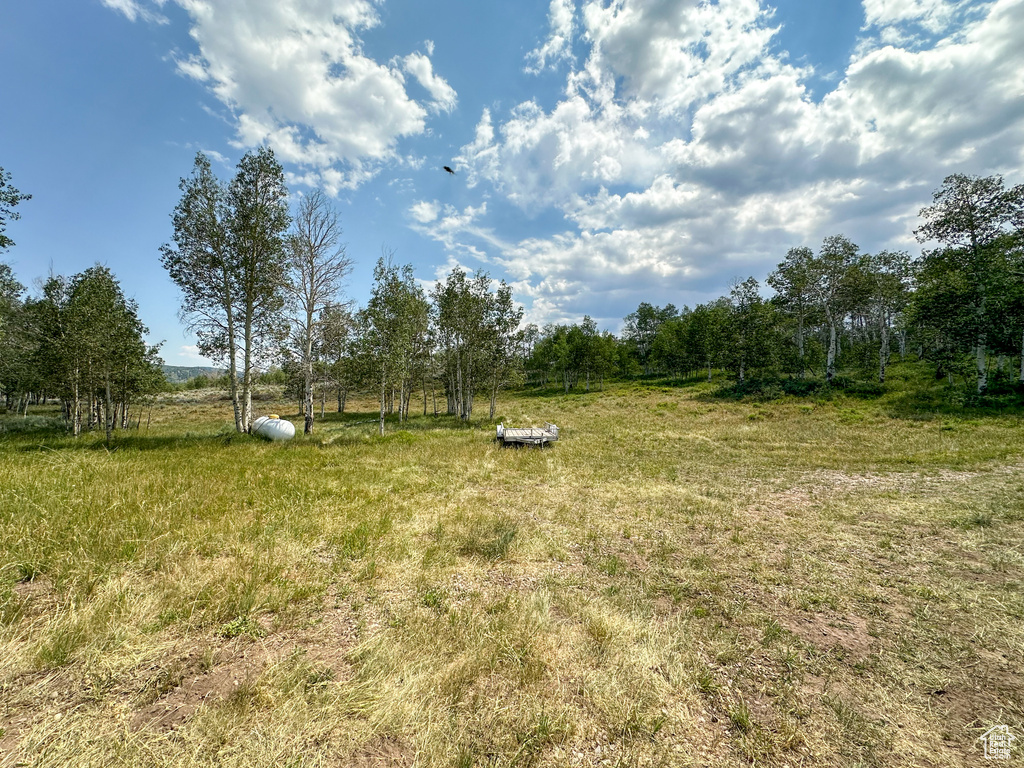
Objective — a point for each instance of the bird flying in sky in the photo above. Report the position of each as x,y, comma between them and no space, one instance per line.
449,170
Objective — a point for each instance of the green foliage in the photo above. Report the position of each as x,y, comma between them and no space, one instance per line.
573,353
82,341
230,264
972,288
392,330
476,332
9,198
241,625
641,329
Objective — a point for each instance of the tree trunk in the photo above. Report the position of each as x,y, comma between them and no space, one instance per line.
383,398
307,410
830,363
883,353
232,361
799,344
76,413
247,363
108,417
982,346
460,402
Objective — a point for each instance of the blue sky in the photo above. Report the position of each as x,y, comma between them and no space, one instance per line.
608,151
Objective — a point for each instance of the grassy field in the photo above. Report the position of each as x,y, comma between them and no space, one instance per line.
681,580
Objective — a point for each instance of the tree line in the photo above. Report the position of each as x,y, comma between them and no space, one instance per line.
959,305
81,341
262,285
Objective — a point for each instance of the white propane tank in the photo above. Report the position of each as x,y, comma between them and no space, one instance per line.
273,428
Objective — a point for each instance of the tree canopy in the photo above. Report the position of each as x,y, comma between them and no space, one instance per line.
10,197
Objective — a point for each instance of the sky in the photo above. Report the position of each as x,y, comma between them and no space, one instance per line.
607,152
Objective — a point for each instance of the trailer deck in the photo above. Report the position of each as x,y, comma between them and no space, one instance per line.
528,435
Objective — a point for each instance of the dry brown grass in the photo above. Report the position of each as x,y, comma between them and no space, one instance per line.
678,581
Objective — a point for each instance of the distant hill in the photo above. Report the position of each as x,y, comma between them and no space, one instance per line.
176,374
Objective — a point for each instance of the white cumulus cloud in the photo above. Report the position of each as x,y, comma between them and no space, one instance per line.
419,66
687,150
558,46
293,74
933,15
135,10
425,211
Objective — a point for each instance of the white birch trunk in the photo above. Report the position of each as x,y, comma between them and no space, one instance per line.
383,397
883,353
830,364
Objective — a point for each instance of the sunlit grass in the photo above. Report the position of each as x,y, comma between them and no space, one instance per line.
680,580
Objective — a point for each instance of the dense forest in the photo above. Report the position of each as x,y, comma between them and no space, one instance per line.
262,288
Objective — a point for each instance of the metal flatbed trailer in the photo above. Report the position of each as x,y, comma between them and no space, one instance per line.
528,435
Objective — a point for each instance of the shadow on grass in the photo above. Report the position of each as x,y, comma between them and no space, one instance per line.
769,388
617,386
126,442
416,422
580,390
339,429
901,397
955,402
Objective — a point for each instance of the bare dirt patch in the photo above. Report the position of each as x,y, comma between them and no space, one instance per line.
33,588
37,596
169,712
325,644
384,752
824,632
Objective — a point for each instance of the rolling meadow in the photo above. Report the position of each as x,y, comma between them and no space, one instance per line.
684,579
